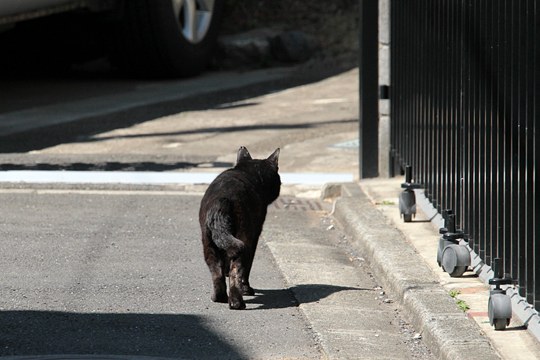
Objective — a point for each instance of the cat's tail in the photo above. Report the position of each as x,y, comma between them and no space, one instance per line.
221,225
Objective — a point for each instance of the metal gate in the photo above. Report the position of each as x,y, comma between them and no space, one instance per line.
465,96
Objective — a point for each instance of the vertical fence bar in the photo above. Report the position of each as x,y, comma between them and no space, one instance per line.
518,107
513,173
526,266
531,250
435,128
521,231
456,185
502,109
491,63
466,129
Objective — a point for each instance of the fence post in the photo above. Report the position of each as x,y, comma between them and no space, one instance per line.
369,88
384,89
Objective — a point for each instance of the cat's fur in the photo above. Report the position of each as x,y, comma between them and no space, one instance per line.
231,216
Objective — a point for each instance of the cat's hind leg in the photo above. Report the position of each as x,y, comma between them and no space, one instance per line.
236,275
248,262
216,263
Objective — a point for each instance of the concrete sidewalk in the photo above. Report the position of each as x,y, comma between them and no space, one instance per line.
403,255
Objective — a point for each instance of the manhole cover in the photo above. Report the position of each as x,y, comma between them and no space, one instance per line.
296,204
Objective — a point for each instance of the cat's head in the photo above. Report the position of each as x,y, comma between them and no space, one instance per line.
243,155
265,171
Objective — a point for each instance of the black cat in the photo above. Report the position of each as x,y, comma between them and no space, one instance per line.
231,216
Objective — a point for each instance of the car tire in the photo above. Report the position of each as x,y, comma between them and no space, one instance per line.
153,39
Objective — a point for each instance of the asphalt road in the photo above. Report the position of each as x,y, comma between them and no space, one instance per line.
108,270
122,273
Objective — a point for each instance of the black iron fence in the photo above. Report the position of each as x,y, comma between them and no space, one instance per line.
465,110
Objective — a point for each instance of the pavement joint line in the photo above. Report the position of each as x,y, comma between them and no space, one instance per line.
442,334
151,177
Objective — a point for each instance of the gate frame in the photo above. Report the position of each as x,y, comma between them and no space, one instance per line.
374,66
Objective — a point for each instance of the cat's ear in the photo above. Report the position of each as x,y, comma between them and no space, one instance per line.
243,154
274,157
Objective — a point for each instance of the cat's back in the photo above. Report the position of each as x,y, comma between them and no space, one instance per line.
232,193
232,185
231,182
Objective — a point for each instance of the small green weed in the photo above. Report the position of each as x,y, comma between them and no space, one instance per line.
386,202
460,303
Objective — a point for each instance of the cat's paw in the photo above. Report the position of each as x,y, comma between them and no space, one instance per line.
237,304
220,298
248,290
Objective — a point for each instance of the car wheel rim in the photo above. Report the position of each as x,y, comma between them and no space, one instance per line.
194,18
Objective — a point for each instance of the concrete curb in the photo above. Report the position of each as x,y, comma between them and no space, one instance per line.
446,330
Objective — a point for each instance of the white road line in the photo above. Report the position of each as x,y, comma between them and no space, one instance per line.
101,192
152,178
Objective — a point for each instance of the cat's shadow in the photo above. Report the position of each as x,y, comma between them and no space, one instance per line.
294,296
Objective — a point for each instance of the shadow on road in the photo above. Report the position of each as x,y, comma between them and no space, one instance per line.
103,166
226,129
296,295
85,127
156,335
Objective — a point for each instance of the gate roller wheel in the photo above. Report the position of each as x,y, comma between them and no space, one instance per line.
407,205
499,310
455,260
